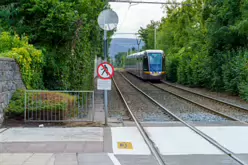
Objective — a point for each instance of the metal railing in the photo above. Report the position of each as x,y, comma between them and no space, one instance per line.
58,106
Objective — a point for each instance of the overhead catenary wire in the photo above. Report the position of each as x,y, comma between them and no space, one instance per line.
124,16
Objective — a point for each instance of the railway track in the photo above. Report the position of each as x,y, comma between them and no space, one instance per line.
142,131
209,97
182,108
200,105
225,109
143,108
154,150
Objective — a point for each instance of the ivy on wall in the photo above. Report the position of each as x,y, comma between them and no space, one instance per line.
67,33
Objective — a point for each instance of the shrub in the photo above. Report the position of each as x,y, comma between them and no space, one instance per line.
171,68
235,71
201,71
47,105
30,60
243,90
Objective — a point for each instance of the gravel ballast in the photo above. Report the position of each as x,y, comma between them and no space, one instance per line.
179,107
142,107
116,107
218,95
220,107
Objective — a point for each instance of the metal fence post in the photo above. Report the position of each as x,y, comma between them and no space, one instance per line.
25,106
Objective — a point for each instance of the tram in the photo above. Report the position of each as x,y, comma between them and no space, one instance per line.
148,64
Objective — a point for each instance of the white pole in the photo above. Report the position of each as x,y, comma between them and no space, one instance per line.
105,91
155,38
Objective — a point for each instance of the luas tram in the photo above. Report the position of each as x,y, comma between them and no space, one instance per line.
148,64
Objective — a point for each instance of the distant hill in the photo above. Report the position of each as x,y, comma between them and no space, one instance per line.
122,45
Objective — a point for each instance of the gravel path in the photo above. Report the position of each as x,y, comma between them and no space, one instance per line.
220,107
142,107
181,108
116,106
219,95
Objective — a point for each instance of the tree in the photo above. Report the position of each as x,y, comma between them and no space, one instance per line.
119,60
147,34
66,31
205,44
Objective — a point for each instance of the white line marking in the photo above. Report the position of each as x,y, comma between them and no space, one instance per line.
114,159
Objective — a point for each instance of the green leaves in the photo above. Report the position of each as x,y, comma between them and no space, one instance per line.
205,44
67,30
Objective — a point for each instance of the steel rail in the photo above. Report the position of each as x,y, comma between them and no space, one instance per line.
205,136
5,129
142,131
209,97
200,105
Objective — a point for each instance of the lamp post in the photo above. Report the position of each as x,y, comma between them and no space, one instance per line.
138,43
155,36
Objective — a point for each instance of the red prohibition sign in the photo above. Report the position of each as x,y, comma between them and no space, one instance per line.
106,70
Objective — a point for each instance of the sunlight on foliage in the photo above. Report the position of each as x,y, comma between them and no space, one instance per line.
29,59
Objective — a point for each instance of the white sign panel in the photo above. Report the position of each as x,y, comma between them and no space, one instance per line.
103,84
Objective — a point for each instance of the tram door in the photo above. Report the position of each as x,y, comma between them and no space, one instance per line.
141,67
137,66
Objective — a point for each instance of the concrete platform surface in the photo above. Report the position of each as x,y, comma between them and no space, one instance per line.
111,159
57,159
52,134
182,140
53,147
177,145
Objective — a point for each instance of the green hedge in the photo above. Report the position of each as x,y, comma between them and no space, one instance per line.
41,102
199,70
206,45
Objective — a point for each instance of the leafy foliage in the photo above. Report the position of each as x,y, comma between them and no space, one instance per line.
50,101
205,44
120,59
29,59
66,31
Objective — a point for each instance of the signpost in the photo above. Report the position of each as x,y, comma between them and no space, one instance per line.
105,72
107,20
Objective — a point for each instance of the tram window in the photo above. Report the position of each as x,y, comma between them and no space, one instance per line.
155,58
145,64
155,62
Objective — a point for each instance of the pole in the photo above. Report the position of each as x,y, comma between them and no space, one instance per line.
155,37
105,91
138,43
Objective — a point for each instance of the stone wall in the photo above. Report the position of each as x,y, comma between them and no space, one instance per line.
10,80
